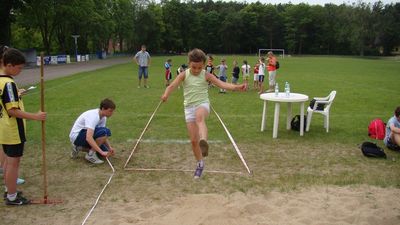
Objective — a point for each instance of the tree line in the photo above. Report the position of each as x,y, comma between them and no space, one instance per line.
174,26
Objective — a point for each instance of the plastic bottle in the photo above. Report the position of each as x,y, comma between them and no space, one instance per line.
287,91
276,90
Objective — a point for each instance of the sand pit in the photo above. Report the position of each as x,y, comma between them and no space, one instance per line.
320,205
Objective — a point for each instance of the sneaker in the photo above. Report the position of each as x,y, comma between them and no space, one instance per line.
75,151
204,147
5,194
198,172
145,86
19,200
93,158
138,86
20,181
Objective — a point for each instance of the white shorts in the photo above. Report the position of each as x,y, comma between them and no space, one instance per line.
255,77
272,78
190,111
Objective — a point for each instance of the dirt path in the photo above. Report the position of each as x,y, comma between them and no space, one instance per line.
30,76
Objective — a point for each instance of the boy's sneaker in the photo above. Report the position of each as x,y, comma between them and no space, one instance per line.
75,151
20,181
93,158
198,172
19,200
204,147
145,86
5,194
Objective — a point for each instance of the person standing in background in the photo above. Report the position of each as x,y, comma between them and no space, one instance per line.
271,71
246,73
222,73
143,60
235,72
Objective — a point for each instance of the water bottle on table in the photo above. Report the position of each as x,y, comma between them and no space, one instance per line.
276,90
287,89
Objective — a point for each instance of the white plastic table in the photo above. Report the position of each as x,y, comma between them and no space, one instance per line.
293,98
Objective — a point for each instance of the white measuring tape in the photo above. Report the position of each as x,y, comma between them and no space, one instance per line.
104,188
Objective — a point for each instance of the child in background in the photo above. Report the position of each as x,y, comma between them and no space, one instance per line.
196,103
168,74
235,72
261,75
12,124
255,83
180,70
222,73
246,73
210,67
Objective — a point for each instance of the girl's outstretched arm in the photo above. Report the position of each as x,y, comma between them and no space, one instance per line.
225,85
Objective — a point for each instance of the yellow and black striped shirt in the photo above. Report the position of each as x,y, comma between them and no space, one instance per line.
12,129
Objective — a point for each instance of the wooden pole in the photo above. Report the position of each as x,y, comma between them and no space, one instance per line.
44,167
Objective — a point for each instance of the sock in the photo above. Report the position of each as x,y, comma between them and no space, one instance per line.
12,197
200,163
5,189
91,152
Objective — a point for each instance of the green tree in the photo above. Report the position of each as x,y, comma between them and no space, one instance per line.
44,20
387,26
361,23
6,18
150,26
123,14
174,20
297,23
230,31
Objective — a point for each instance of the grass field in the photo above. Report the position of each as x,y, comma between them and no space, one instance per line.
366,89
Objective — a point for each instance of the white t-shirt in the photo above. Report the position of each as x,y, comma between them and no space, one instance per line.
261,69
246,71
87,120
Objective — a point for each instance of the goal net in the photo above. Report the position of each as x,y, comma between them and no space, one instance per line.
276,51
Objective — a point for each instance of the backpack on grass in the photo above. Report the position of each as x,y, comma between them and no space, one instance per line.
377,129
370,149
295,124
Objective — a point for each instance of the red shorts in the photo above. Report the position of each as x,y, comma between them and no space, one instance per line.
168,75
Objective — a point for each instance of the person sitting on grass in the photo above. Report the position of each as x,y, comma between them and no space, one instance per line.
90,134
392,136
196,103
12,124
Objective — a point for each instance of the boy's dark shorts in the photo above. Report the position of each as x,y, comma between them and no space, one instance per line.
261,78
392,146
98,132
14,150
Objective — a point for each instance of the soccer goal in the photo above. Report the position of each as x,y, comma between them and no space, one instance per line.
276,51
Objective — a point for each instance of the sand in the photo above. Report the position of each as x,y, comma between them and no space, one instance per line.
319,205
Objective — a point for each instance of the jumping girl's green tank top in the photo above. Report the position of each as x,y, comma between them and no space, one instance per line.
195,89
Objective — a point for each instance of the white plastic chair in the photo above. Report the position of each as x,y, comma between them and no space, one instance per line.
327,101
